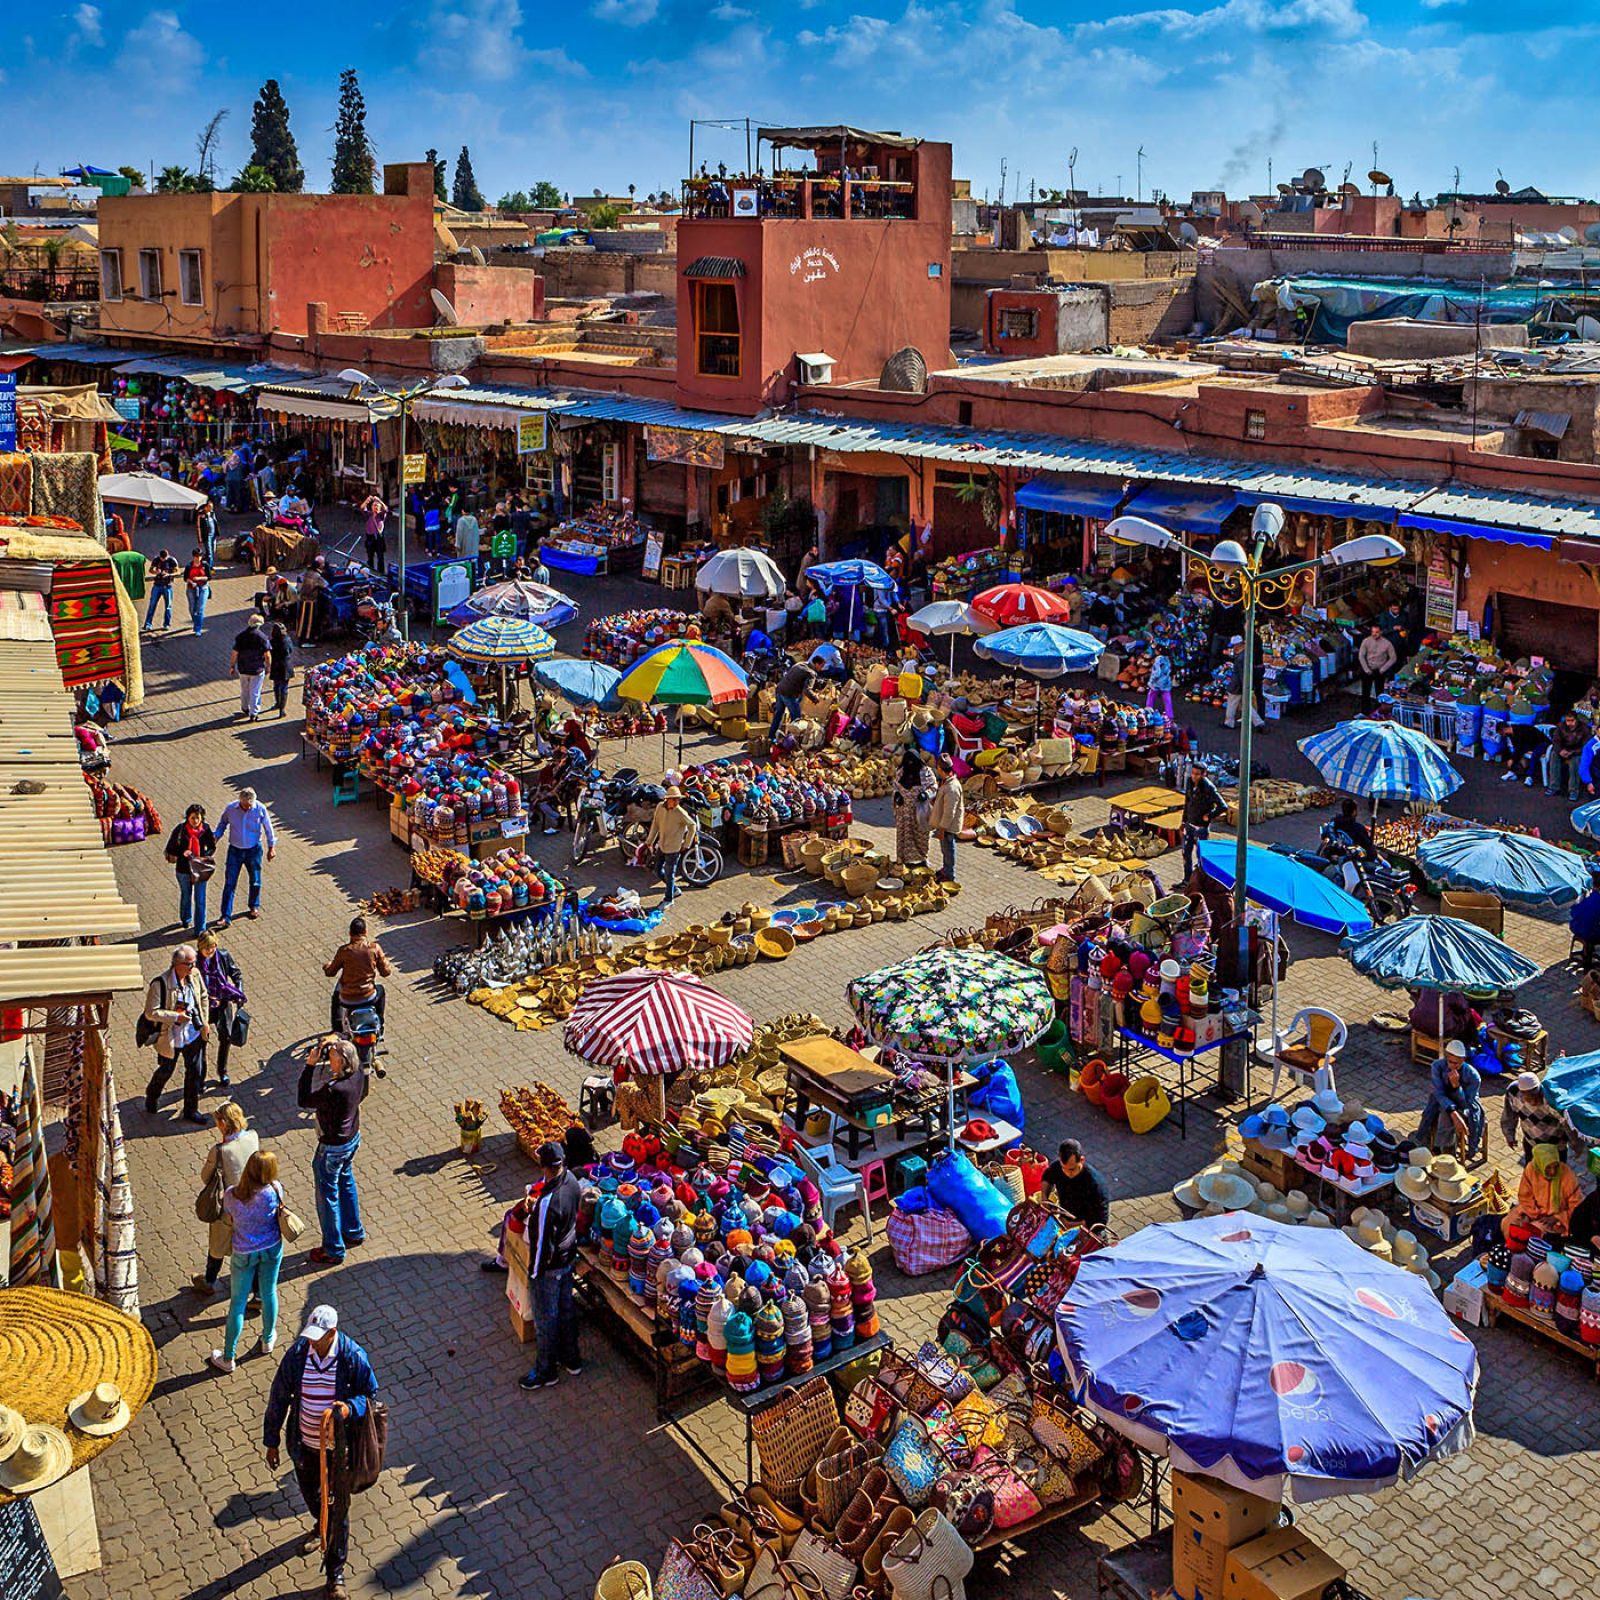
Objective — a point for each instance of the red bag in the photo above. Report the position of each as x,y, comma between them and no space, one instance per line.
925,1241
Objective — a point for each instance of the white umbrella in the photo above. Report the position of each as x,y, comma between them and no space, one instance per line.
149,489
941,617
746,574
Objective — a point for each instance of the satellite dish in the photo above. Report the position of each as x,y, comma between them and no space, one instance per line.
1285,188
1569,234
1314,179
477,256
1592,233
1348,188
1588,328
447,312
1187,233
1251,212
1501,186
1377,176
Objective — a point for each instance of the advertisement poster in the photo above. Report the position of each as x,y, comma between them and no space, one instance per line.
8,412
452,583
652,555
531,433
416,468
684,445
1439,592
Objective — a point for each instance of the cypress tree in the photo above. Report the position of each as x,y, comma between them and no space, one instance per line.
466,195
354,167
272,146
436,161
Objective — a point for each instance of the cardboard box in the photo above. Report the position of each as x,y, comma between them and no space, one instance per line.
1216,1513
1463,1295
1198,1569
1281,1565
519,1297
1449,1221
1485,910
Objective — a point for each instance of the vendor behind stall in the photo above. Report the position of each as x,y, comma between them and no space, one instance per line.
1456,1087
827,661
1076,1187
1547,1197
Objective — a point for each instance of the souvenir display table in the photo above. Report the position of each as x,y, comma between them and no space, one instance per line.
1495,1306
1459,689
1138,1048
1153,807
606,539
622,637
960,577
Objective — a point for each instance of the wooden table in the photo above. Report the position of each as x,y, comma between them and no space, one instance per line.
1495,1307
1004,1134
824,1072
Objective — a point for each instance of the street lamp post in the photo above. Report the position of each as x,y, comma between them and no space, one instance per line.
404,398
1235,574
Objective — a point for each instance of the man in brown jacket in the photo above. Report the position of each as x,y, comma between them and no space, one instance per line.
358,965
672,831
947,817
177,1002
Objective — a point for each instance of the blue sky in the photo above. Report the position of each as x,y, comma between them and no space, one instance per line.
597,93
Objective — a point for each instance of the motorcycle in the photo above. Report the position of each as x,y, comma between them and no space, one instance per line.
374,621
1385,890
359,1023
623,808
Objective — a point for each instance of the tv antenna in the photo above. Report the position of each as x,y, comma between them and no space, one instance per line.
1072,171
1138,182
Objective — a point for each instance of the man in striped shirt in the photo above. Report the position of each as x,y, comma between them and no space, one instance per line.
322,1371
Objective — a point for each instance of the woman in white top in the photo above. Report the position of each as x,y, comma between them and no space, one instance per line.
236,1143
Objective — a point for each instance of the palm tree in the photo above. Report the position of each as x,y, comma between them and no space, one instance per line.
175,180
54,250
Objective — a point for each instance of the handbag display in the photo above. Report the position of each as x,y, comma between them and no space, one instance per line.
870,1410
898,1522
865,1514
789,1437
680,1577
772,1578
1064,1437
967,1501
810,1489
1014,1501
208,1206
833,1569
937,1378
930,1561
838,1478
913,1461
788,1524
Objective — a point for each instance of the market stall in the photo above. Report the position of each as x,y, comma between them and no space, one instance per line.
601,540
622,637
1458,689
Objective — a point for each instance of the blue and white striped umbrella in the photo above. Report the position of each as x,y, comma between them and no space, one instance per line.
1381,761
1443,953
1518,869
499,641
1042,649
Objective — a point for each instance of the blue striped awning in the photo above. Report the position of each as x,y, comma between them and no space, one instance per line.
1085,499
1195,510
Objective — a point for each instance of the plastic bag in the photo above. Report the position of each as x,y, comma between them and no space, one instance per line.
1000,1096
958,1186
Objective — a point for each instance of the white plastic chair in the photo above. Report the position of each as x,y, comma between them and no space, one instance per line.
836,1183
1308,1048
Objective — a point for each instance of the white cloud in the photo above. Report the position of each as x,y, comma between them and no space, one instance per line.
86,19
556,61
477,37
627,13
728,12
1336,18
158,50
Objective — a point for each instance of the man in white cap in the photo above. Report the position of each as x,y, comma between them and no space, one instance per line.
323,1371
1525,1114
1457,1085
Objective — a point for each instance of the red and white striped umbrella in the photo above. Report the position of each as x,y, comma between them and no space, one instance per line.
1009,605
650,1023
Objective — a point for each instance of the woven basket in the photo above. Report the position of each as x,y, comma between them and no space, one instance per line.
624,1580
789,1436
1010,1179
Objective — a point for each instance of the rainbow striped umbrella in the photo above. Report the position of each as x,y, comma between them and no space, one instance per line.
684,672
501,641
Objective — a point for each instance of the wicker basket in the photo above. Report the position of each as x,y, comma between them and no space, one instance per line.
624,1580
789,1436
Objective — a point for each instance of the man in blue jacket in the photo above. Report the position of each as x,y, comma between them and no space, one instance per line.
322,1371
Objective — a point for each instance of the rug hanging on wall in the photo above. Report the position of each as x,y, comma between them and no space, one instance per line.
83,616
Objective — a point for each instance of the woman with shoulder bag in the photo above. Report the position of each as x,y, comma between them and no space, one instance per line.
225,985
192,849
261,1223
222,1170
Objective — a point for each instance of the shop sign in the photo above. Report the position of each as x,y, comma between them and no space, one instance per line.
814,264
744,203
8,412
452,583
531,433
652,555
416,468
127,407
684,445
1439,592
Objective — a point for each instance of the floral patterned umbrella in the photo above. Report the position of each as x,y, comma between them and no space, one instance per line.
953,1005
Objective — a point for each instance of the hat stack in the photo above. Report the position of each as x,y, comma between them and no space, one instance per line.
1226,1190
1497,1264
1358,1146
1450,1181
1414,1182
842,1313
1275,1134
1385,1150
771,1352
688,1314
1328,1105
741,1369
863,1295
1519,1280
717,1331
38,1454
1542,1296
819,1307
640,1243
1589,1315
796,1336
1569,1302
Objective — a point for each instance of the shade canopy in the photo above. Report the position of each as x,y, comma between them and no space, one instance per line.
1042,649
1286,1361
1572,1086
1443,953
150,489
684,672
941,617
1518,869
501,641
1009,605
1586,818
852,575
953,1005
1282,884
518,597
1381,761
653,1022
741,574
584,683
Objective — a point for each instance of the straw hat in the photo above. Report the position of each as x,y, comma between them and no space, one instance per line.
1406,1246
1225,1189
58,1345
1318,1219
1369,1233
1266,1193
1357,1138
12,1426
1299,1204
1453,1190
42,1457
100,1411
1187,1195
1413,1183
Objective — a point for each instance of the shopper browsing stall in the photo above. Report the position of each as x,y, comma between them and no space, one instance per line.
947,817
552,1253
1076,1187
1376,660
672,831
1527,1117
913,792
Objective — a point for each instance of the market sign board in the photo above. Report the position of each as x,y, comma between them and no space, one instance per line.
531,433
685,445
416,468
452,584
8,412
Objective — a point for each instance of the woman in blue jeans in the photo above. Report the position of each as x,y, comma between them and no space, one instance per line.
192,849
253,1205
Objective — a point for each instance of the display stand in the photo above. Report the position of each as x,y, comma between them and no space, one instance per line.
1495,1307
675,1368
1136,1044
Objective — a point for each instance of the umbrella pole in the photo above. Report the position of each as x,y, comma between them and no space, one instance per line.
952,655
950,1104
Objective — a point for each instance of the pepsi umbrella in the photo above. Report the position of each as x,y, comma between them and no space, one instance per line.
1381,761
854,576
1284,885
941,617
584,683
1572,1086
1286,1361
1042,649
1518,869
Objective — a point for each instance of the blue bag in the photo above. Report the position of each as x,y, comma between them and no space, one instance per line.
958,1186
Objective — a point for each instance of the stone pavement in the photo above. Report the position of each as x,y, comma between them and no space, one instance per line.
492,1492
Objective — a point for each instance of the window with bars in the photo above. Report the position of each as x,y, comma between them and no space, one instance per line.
1255,424
1019,324
191,282
150,274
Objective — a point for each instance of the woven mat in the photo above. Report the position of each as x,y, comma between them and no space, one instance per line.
16,483
68,485
87,624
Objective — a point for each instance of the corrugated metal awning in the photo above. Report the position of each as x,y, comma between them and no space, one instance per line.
715,267
318,406
469,413
1552,424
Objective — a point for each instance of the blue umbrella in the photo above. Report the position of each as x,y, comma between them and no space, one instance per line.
584,683
1382,761
1443,953
1586,818
1042,649
853,575
1286,1361
1520,870
1572,1086
1284,885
